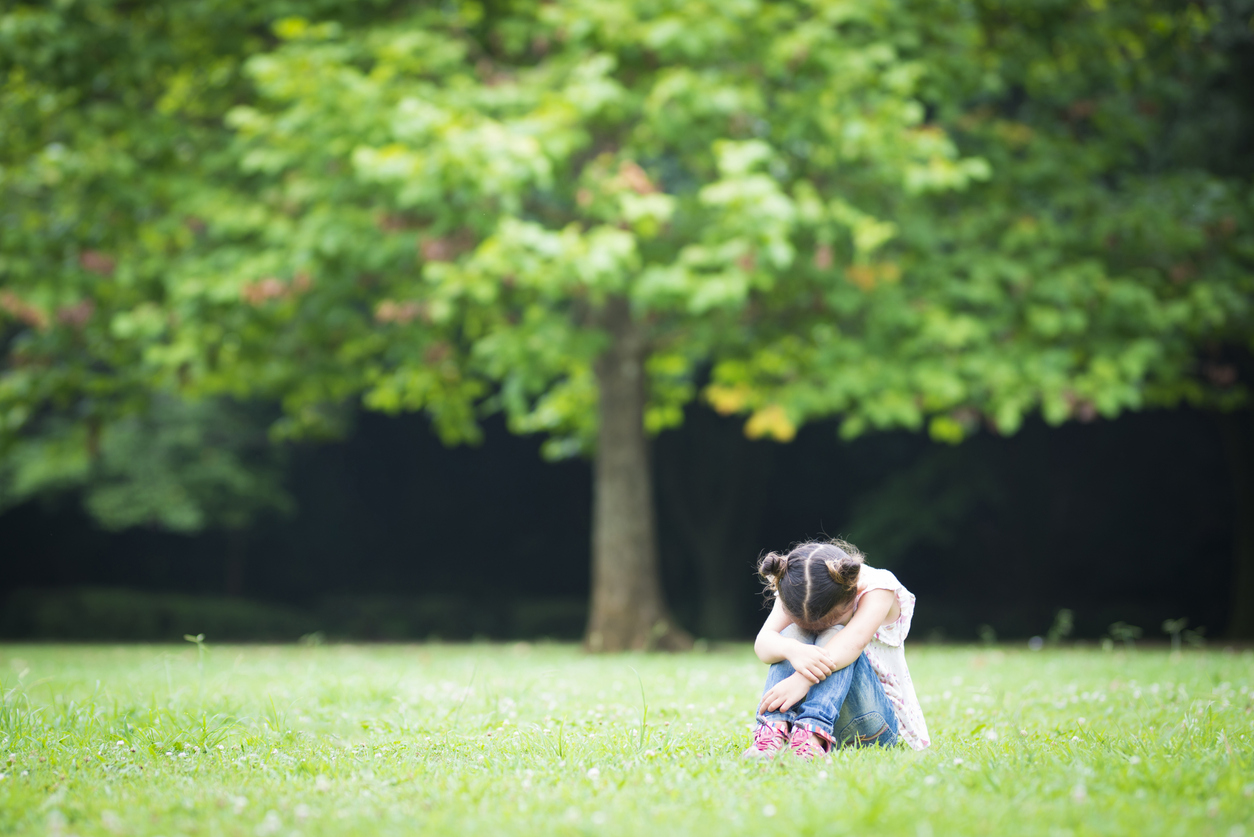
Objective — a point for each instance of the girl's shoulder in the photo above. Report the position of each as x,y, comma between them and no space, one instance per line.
871,578
894,633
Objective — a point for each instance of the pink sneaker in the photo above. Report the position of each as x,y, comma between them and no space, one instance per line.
768,739
807,744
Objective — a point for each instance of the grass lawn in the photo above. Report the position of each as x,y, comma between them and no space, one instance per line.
541,739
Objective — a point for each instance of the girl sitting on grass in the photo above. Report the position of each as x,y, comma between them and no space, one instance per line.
834,643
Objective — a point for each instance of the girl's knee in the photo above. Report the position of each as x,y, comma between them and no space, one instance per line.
828,635
793,632
871,728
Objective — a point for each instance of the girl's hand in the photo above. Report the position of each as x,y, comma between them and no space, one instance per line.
784,694
811,661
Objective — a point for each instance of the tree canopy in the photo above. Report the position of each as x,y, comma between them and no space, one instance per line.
1104,266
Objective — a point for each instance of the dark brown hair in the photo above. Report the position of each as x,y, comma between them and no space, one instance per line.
813,579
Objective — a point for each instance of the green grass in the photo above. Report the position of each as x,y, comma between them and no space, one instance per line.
490,739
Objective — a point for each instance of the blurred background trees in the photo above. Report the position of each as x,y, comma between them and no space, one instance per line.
935,217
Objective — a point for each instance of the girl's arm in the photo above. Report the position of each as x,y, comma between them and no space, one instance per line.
770,646
810,661
878,607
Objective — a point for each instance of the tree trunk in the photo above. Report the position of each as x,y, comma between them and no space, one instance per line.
1238,433
628,609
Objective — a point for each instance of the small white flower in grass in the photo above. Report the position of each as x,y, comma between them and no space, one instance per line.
822,774
121,743
56,822
302,812
1036,643
593,773
957,762
648,778
169,752
1079,794
990,734
930,780
1134,760
1081,720
270,825
3,776
768,810
1075,738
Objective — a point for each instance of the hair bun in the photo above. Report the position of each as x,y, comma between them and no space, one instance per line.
844,570
773,566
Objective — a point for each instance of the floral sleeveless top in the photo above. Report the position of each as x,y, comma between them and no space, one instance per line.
887,655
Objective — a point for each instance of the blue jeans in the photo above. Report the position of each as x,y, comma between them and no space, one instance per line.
849,708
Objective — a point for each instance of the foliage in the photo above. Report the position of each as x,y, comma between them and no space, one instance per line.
112,117
1105,265
544,740
180,466
1125,633
1064,623
437,210
892,213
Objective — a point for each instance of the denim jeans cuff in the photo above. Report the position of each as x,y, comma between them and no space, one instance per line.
820,731
776,718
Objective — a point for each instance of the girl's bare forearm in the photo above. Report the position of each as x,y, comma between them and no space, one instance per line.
846,647
771,647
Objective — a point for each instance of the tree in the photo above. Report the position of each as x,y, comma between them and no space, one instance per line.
559,211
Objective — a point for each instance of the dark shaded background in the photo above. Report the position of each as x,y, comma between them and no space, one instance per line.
398,537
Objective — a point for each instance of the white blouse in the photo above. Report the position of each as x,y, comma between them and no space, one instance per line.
887,655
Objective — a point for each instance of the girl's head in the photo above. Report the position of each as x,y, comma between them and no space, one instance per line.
815,581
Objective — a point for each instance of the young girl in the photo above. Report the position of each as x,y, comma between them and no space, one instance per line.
834,643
